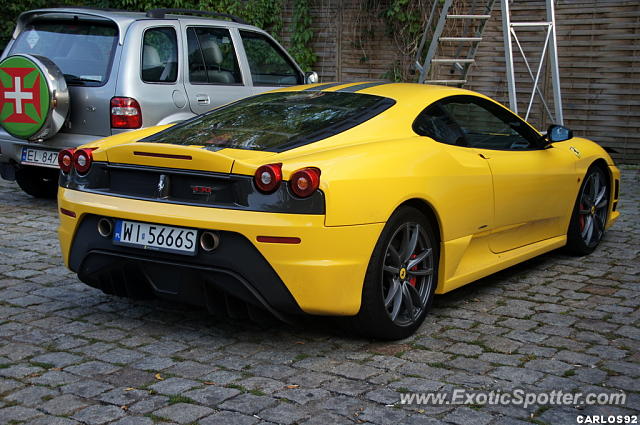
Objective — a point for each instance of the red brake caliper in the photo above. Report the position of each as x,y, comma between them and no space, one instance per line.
413,280
581,218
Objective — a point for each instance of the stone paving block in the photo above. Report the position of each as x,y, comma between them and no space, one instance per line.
183,413
230,418
52,420
17,413
212,395
174,386
98,415
248,403
302,395
31,396
60,359
86,388
63,405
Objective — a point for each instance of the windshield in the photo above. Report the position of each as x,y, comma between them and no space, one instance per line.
275,121
81,49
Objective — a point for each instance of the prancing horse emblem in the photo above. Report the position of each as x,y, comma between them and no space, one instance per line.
163,187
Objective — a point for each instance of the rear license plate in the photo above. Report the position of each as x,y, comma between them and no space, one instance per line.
39,157
156,237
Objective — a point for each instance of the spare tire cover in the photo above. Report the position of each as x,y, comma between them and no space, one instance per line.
34,98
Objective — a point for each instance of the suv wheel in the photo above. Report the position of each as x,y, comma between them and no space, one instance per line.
37,181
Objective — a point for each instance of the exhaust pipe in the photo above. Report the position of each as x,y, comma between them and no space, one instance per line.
209,241
105,227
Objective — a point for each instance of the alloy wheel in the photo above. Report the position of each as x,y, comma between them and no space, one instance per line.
592,214
407,274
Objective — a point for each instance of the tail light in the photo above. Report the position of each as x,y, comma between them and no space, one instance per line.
125,113
82,159
268,177
305,181
65,160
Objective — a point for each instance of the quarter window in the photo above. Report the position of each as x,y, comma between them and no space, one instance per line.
268,63
160,55
212,58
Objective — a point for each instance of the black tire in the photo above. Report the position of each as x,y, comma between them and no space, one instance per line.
376,318
38,182
590,213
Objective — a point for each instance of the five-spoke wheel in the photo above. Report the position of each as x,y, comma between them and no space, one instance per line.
407,273
401,277
590,213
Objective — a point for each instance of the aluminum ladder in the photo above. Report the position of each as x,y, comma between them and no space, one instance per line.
549,47
449,58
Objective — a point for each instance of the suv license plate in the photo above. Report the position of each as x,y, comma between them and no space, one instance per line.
39,157
154,236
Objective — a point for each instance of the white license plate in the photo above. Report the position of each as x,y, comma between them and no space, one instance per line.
154,236
40,157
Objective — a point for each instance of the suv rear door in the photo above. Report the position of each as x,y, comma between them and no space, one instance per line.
84,48
151,74
213,74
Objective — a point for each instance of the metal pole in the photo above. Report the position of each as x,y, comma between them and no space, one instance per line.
508,55
553,59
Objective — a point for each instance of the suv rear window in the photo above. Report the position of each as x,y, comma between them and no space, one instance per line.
275,121
82,50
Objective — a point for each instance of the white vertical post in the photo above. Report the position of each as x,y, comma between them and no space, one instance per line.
508,54
555,69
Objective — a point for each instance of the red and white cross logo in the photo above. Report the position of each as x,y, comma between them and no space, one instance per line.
20,96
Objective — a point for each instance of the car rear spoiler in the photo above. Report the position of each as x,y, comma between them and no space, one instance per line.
25,18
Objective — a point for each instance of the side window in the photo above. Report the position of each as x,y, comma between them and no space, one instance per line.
487,126
212,57
268,63
435,123
160,55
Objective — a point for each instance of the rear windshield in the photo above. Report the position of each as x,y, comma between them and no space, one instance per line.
275,121
83,50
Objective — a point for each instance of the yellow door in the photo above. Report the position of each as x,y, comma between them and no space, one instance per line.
533,187
533,195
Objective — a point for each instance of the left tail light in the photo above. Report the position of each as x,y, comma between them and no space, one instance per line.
268,177
305,181
82,159
125,113
65,160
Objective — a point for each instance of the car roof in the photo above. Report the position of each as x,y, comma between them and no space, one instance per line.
405,93
122,18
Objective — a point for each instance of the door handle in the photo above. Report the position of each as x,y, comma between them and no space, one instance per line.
203,99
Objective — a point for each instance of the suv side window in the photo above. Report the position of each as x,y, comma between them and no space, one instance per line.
268,64
160,55
212,57
488,126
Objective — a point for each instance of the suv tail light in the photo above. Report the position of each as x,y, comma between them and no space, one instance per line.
65,160
125,113
268,177
82,159
305,181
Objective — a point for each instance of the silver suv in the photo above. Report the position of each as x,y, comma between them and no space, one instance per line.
73,75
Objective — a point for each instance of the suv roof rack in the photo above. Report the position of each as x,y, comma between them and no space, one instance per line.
160,14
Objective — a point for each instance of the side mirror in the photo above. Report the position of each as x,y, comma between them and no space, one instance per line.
311,77
558,133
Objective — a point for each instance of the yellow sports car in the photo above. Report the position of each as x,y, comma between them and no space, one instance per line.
360,199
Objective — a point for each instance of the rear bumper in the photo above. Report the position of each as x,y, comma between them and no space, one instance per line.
323,274
11,147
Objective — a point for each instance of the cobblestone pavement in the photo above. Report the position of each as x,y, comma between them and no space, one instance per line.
70,354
